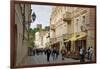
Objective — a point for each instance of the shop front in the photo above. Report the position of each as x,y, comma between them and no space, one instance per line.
56,45
67,47
75,43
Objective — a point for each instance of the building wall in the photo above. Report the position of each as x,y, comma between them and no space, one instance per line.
46,40
89,24
91,29
61,27
22,37
39,39
74,22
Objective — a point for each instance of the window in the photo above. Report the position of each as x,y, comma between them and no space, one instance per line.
77,21
83,19
83,26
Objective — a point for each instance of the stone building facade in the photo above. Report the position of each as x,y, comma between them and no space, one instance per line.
22,24
59,28
72,27
41,39
46,40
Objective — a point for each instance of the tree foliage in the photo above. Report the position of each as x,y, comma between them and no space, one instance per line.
32,34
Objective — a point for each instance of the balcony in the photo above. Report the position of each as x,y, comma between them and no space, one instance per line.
67,16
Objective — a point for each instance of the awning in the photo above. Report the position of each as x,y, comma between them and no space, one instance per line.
78,36
82,35
66,40
73,38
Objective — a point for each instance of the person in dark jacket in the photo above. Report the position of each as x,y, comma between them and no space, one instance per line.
57,53
63,52
54,53
48,52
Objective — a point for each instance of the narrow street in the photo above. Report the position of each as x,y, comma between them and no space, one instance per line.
63,31
41,59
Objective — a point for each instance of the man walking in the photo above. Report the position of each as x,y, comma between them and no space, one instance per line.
57,53
82,54
48,52
54,53
90,54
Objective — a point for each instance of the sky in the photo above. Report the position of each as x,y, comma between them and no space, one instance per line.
43,14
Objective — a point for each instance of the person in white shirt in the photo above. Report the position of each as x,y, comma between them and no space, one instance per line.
90,53
82,54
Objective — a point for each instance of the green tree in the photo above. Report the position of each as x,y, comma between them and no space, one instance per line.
32,34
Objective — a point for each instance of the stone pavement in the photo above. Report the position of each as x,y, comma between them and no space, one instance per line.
42,59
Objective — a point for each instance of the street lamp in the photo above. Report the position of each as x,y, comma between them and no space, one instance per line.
33,16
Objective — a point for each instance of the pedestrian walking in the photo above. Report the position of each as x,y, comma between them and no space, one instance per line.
90,53
45,51
48,52
82,54
57,53
33,52
37,51
54,53
63,52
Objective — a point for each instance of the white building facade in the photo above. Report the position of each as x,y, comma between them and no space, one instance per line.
42,39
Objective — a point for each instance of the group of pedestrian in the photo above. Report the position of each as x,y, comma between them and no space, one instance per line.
90,54
54,52
39,51
84,54
33,51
